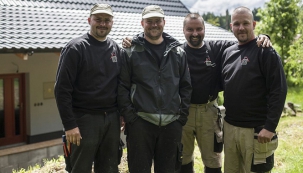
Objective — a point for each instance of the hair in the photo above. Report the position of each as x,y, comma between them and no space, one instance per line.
191,16
243,9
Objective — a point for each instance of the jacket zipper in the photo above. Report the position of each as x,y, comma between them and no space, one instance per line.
160,92
169,47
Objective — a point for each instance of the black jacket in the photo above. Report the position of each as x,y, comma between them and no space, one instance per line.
205,69
87,78
153,90
254,86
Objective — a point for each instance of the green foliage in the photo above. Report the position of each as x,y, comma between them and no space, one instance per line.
52,165
214,21
300,26
280,19
211,18
255,11
294,63
221,21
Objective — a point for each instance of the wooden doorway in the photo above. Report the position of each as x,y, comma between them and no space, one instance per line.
12,109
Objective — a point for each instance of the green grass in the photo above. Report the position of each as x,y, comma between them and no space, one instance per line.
289,155
295,95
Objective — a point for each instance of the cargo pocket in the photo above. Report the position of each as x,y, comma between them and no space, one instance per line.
218,126
179,156
218,146
263,157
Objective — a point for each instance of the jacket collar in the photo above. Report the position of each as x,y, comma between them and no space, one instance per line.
170,41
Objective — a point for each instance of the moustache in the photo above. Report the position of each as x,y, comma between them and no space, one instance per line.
102,28
195,37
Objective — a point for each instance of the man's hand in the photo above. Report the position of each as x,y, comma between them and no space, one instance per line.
263,41
126,42
73,136
265,136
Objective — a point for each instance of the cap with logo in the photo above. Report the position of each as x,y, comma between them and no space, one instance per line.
102,8
152,11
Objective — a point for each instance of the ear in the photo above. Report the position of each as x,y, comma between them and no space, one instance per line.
231,26
254,24
142,23
88,20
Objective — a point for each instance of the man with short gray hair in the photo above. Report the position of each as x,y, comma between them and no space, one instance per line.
255,89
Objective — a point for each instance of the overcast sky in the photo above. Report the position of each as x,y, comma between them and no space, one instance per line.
219,6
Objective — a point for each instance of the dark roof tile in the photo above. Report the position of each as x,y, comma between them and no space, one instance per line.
50,24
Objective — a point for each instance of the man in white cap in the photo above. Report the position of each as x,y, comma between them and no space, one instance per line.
86,96
154,96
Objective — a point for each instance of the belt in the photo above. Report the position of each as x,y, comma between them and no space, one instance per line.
204,104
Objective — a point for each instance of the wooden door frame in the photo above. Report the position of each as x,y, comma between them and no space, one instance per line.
8,106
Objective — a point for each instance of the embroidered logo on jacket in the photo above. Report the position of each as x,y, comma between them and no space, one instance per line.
244,61
208,62
113,57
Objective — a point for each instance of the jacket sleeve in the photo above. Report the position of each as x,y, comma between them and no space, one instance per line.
65,78
185,89
276,86
218,47
124,90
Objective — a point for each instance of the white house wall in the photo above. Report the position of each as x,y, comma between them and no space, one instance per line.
41,68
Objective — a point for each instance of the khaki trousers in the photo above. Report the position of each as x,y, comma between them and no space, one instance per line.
200,127
238,149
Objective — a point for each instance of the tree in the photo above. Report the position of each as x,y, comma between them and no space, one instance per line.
279,19
227,19
211,18
294,64
255,11
300,29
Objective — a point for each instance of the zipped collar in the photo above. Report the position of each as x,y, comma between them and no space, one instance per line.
170,41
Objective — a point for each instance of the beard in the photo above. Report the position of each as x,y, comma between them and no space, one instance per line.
103,32
243,36
154,33
197,42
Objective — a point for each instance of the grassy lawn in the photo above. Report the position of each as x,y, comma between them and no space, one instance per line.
289,155
295,95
